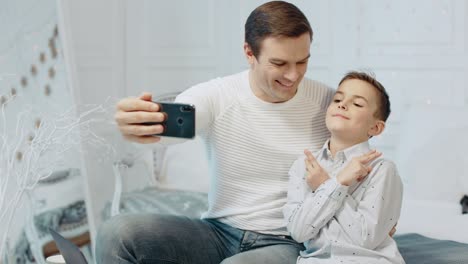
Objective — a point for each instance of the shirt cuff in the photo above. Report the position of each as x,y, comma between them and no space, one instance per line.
333,189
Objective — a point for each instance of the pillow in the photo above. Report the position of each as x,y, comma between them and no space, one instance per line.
431,154
185,167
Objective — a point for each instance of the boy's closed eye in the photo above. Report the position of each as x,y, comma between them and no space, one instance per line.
358,105
338,98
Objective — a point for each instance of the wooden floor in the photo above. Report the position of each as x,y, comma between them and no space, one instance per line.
81,240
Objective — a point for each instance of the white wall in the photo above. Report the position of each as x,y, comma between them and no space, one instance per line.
418,50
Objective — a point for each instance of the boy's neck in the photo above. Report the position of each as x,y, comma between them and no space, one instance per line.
337,144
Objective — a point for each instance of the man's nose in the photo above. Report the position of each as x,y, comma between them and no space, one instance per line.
292,74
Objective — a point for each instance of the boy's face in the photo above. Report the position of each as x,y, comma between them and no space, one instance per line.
351,114
280,67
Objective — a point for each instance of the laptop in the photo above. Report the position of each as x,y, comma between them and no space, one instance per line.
70,252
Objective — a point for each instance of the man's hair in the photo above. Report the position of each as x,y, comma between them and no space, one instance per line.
274,19
383,103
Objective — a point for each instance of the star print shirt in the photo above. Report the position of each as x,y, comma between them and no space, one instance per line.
345,224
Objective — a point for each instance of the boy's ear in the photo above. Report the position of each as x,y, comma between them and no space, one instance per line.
248,53
377,128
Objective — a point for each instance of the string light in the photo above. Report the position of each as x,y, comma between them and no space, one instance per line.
47,90
51,72
33,70
37,123
29,136
42,57
24,81
19,156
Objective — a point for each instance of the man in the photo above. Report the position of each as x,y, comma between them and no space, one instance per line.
254,123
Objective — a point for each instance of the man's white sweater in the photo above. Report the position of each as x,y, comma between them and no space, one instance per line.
251,145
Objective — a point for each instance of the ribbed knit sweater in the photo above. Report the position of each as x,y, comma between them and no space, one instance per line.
251,145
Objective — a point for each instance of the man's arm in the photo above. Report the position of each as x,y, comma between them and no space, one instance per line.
132,112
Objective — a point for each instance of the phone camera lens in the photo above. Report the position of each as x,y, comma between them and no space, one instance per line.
180,121
186,108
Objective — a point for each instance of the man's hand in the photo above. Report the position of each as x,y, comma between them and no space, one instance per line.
315,174
357,169
132,112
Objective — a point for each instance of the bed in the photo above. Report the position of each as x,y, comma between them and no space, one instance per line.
431,229
431,232
419,249
440,236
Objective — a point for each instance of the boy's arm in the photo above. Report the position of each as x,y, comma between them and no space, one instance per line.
306,212
369,221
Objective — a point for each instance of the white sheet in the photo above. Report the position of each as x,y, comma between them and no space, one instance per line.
440,220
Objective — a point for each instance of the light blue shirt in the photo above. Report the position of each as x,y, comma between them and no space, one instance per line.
345,223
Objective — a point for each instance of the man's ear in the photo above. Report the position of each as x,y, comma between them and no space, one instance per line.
249,53
377,128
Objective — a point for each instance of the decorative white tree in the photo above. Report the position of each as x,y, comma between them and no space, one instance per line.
30,153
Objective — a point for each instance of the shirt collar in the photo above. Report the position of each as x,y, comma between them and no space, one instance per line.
349,153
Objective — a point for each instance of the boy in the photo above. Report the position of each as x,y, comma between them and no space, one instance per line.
344,202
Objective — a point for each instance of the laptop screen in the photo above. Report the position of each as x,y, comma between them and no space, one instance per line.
70,252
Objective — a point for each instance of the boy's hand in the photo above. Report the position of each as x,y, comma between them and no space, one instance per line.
357,169
315,174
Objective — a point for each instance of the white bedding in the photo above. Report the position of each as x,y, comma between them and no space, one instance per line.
435,219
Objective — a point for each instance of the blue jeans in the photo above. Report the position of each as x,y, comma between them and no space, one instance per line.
151,238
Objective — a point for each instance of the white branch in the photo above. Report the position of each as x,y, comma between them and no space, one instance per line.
55,137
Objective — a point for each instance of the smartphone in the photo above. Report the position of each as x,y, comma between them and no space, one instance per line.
180,120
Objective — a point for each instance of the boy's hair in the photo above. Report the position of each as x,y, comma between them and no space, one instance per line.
383,110
274,19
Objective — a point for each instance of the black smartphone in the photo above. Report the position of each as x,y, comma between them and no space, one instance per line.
180,120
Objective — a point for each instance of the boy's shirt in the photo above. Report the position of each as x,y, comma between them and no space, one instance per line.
345,222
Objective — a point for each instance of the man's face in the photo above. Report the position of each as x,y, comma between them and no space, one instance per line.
279,68
351,113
